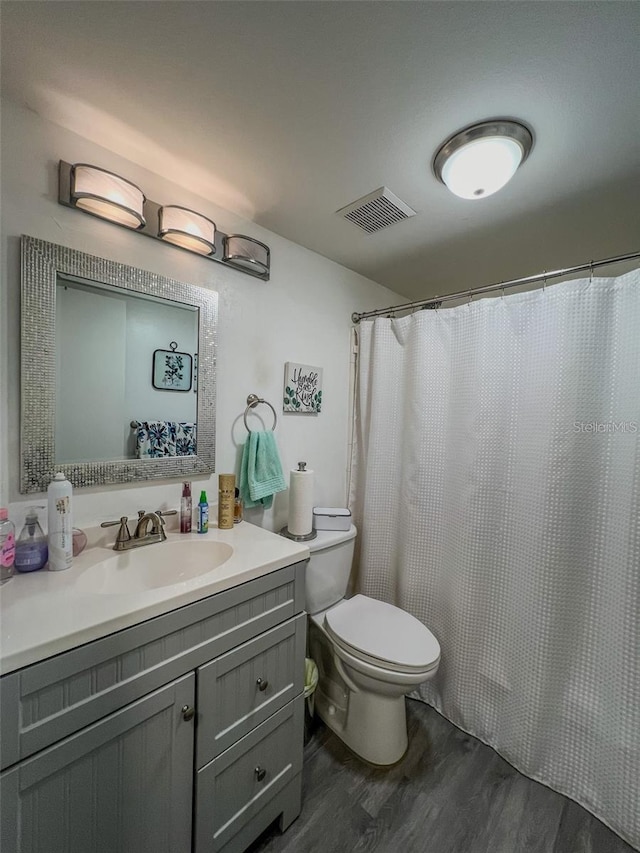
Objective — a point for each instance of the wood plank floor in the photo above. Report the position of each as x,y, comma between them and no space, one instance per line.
450,794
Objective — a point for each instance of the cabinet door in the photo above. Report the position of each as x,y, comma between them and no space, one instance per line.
122,785
239,690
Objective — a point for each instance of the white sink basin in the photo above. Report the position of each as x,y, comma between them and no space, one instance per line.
153,566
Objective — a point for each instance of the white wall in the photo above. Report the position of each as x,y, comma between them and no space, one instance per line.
303,314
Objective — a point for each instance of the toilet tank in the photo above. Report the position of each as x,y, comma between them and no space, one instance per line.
328,570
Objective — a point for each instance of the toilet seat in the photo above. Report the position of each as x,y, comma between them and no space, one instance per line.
382,635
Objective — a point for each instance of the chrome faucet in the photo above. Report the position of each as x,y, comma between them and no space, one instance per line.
142,535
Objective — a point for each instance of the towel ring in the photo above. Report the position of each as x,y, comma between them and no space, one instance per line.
252,402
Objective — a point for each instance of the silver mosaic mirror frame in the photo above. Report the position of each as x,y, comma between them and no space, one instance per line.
41,262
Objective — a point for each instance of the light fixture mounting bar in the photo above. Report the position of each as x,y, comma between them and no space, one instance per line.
151,225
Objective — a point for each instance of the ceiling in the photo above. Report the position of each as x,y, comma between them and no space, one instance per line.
287,111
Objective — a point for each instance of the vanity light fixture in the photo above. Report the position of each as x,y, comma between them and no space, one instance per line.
107,195
99,192
479,160
187,229
245,253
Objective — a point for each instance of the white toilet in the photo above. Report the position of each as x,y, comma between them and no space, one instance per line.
369,654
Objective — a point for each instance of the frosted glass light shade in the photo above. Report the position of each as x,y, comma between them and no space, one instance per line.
107,195
187,229
246,253
479,160
481,168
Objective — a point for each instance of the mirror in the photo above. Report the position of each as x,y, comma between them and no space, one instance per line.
123,360
118,371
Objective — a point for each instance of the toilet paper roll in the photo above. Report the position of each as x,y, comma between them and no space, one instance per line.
300,502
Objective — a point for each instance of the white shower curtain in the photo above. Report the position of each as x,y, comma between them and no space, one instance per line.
497,494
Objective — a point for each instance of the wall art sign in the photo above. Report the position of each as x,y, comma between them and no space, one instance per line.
302,388
172,370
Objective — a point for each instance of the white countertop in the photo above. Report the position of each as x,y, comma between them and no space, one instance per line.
44,613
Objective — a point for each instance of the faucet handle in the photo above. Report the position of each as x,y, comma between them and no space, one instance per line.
122,520
123,533
162,513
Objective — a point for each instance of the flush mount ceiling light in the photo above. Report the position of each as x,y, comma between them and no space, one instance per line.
99,192
479,160
187,229
107,195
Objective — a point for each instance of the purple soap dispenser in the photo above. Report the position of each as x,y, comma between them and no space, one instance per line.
32,551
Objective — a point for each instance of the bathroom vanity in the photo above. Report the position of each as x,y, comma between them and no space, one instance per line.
181,729
150,700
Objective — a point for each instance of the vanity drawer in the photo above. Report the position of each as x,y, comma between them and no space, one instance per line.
48,701
239,690
232,790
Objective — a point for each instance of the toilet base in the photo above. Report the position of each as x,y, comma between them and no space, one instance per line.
374,727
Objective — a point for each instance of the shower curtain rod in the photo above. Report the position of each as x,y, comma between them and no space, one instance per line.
436,301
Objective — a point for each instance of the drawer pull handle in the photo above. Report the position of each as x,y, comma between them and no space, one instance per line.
260,773
188,713
262,684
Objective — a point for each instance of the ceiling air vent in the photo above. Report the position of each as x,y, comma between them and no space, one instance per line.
376,210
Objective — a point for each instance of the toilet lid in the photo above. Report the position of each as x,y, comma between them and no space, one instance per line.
383,632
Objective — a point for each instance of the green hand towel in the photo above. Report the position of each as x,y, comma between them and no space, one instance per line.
260,470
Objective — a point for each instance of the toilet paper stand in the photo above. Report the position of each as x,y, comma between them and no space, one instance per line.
300,527
306,538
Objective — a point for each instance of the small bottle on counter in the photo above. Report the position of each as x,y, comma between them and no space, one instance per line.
32,550
60,527
226,498
238,508
7,546
203,513
186,509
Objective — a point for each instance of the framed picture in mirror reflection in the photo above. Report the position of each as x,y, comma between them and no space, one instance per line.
172,370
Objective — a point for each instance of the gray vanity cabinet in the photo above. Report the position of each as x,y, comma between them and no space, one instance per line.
100,790
191,721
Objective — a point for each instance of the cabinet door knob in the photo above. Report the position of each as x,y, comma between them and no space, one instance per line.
188,713
262,684
260,773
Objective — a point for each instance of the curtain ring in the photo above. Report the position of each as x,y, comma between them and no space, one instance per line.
544,281
591,271
502,289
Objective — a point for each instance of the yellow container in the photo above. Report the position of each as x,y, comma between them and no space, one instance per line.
226,500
